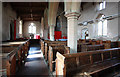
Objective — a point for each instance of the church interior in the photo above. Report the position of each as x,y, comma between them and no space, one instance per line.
60,39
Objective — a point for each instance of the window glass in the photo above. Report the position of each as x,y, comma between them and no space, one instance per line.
20,27
105,27
102,27
32,28
102,5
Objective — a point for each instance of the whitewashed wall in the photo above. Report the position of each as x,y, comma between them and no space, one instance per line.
8,14
89,12
26,25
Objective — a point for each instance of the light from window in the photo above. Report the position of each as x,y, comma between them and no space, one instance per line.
102,27
102,5
105,27
32,28
99,28
20,27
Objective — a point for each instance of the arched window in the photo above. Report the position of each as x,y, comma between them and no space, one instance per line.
20,27
102,26
32,28
84,33
58,25
102,5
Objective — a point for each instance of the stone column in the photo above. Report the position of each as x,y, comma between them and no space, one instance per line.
72,23
52,13
72,12
52,29
45,34
42,27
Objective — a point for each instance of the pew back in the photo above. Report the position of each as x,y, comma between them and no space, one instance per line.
52,54
53,45
85,48
8,57
71,64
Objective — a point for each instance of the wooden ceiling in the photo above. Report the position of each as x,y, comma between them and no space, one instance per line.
29,11
32,11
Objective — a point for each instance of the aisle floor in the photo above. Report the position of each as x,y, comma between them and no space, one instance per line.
35,64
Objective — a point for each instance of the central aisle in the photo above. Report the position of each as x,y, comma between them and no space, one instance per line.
35,64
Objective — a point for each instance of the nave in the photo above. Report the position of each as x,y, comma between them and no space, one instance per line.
60,39
34,64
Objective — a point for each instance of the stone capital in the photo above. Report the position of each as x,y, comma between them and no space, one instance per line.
72,15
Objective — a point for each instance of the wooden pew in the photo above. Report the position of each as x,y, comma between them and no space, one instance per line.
43,46
17,42
115,44
85,48
79,46
8,57
93,45
52,54
107,44
23,44
118,43
86,63
13,52
53,43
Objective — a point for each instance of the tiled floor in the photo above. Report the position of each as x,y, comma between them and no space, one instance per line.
35,64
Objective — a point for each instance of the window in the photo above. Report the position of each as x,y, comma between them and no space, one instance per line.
32,28
102,5
20,27
58,25
84,33
102,27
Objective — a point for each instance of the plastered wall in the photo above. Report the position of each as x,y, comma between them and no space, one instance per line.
90,12
8,14
26,25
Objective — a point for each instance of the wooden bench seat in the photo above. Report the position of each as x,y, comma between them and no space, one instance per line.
21,44
79,46
52,54
43,45
8,57
85,48
93,68
52,44
86,63
12,53
19,53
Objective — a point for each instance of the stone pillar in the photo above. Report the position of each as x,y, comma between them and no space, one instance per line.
45,34
72,24
52,13
72,12
52,29
42,27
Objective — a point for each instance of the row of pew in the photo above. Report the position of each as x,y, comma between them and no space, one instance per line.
12,56
92,57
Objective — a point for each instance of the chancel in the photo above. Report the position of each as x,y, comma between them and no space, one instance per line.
66,39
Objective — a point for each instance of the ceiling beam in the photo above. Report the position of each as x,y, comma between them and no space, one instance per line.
28,8
34,4
29,13
30,18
